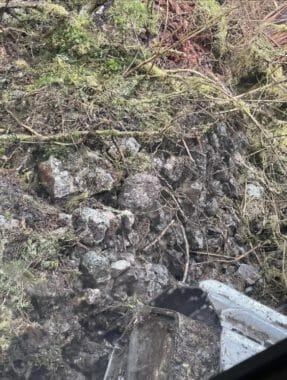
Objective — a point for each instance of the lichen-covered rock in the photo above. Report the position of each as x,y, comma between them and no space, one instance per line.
93,224
254,190
152,279
58,181
249,273
8,224
119,267
192,192
95,267
174,167
86,172
92,296
128,146
140,192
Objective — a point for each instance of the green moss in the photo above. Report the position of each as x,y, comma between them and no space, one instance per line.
113,65
14,277
56,150
133,17
258,57
37,252
75,38
21,64
208,10
140,162
55,10
61,71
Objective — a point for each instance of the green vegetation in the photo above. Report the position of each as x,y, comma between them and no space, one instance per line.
133,17
61,71
208,10
75,38
34,253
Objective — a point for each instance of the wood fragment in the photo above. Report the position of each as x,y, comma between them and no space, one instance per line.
22,125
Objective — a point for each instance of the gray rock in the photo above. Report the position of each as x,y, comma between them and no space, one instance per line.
249,273
127,256
140,192
120,266
98,180
254,190
156,278
173,168
58,181
128,146
65,219
195,191
92,296
84,172
95,267
8,223
132,145
93,224
158,163
211,207
197,239
3,83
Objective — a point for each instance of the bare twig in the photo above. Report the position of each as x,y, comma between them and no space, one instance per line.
187,150
214,255
185,273
159,237
235,259
72,136
31,130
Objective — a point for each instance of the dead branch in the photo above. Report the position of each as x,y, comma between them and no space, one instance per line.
186,254
159,237
78,135
232,260
29,129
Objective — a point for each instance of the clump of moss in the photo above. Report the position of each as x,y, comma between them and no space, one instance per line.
75,38
140,162
63,71
208,10
55,10
257,57
133,17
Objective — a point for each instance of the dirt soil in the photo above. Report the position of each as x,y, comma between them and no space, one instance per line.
142,146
